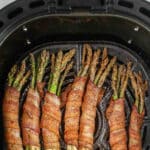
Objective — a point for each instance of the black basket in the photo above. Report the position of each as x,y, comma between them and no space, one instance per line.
122,25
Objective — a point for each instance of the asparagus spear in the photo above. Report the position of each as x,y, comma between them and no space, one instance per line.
137,85
142,97
83,60
106,72
114,82
69,66
84,54
52,62
104,63
124,85
11,75
56,74
140,93
24,80
32,59
43,61
94,64
20,74
66,58
142,88
88,60
120,71
134,85
52,70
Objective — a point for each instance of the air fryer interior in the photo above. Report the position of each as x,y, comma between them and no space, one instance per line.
41,30
123,33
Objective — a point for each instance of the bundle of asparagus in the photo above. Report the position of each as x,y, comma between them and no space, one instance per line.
116,118
138,111
51,114
16,80
31,109
117,76
93,90
74,100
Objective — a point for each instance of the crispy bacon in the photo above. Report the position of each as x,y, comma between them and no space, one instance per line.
10,119
30,119
118,137
101,94
136,121
64,95
40,88
109,108
72,112
50,121
87,120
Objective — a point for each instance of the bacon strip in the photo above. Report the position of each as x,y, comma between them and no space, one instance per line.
40,88
101,94
87,120
64,95
136,121
109,108
50,121
72,112
10,119
118,137
30,119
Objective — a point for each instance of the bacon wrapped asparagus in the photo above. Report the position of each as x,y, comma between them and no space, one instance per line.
74,100
137,113
31,109
116,119
16,81
51,114
64,95
117,79
93,92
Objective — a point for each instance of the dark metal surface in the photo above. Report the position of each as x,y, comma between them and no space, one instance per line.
26,8
124,55
71,28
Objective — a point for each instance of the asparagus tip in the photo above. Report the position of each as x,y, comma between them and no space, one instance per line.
24,80
85,68
11,75
20,74
69,66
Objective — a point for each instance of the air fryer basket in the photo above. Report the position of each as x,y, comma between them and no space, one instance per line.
122,26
